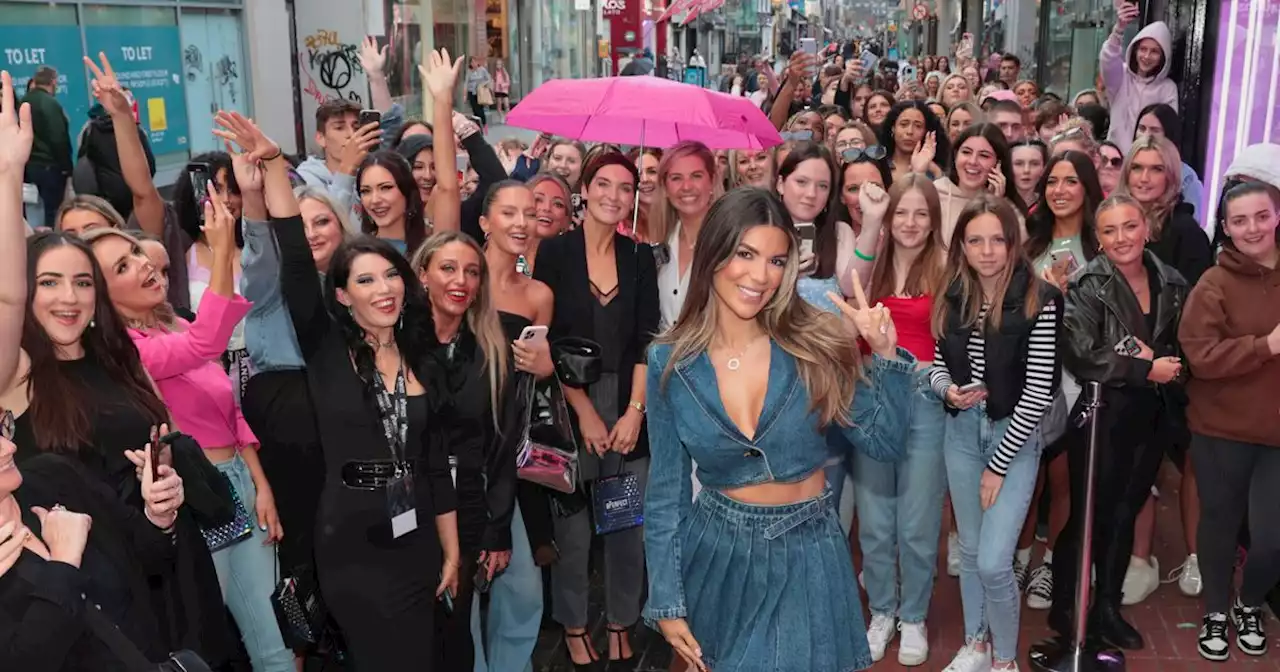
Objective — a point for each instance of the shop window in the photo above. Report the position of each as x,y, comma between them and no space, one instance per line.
36,35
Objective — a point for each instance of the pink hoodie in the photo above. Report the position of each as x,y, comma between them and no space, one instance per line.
1130,92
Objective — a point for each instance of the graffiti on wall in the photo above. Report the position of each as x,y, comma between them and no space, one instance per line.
330,68
225,75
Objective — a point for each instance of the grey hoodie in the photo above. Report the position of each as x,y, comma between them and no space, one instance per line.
1130,92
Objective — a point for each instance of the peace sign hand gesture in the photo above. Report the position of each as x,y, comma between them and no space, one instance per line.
873,323
107,89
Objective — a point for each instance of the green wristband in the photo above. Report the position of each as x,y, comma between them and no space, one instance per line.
865,257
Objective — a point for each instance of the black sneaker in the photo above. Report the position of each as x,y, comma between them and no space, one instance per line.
1250,636
1213,638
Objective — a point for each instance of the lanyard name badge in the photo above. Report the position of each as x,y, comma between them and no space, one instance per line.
395,424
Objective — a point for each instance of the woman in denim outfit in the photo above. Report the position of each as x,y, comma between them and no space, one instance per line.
769,577
900,503
996,367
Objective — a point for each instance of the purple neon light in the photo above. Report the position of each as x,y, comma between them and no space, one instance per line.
1246,84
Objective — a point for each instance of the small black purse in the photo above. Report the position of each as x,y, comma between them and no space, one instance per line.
577,360
300,612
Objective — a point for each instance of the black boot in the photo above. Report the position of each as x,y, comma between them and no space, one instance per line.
1108,624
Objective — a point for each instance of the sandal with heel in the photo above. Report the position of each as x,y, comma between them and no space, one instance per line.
585,638
620,664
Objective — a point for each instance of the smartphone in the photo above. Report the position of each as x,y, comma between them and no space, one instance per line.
481,579
447,599
1129,347
157,449
368,117
973,387
908,72
1064,262
534,335
809,46
808,232
199,174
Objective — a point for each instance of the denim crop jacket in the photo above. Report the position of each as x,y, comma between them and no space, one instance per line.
687,421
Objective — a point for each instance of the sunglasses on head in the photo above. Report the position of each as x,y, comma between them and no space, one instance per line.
796,135
1076,132
874,152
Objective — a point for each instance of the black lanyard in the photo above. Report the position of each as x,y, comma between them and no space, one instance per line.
395,416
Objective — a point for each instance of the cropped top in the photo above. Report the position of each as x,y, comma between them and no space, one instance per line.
688,423
912,317
194,387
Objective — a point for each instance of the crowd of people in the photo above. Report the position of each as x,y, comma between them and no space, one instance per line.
406,395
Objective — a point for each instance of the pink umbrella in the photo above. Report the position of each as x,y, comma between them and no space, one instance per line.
644,111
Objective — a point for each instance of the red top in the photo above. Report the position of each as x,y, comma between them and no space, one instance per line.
911,317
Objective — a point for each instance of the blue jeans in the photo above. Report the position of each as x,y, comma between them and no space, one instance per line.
900,514
247,574
988,538
515,610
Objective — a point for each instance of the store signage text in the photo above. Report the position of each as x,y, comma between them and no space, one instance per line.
613,7
32,56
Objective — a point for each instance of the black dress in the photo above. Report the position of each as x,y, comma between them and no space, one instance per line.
380,590
485,463
188,595
42,603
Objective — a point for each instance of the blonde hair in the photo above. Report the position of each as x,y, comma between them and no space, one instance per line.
482,317
1155,213
735,178
164,312
320,195
826,361
662,214
959,271
94,204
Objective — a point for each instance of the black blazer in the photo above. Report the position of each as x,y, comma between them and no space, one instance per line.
562,265
42,603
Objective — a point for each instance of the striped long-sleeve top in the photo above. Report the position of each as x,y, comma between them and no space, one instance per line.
1037,390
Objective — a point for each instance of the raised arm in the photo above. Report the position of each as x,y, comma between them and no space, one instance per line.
175,353
1111,58
148,206
374,61
15,148
488,169
440,77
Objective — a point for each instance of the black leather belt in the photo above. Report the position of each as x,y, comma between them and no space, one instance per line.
369,474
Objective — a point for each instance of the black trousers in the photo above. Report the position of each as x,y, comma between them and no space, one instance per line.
476,108
1131,445
1237,480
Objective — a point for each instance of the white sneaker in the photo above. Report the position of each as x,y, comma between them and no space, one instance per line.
953,554
969,659
882,630
913,648
1188,576
1040,590
1141,579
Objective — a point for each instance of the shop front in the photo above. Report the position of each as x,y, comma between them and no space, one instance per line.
179,63
553,39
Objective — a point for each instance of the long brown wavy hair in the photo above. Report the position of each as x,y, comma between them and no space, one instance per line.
960,272
828,364
924,278
59,403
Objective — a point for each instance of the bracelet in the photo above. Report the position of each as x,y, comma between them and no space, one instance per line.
638,405
278,154
865,257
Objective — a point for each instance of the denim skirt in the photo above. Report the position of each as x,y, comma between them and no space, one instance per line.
771,588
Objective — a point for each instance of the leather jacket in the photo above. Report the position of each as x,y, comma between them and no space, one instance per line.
1102,310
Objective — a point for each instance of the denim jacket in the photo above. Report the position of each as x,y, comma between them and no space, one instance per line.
687,421
268,330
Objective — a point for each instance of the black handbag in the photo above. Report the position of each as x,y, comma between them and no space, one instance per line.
207,492
300,612
577,360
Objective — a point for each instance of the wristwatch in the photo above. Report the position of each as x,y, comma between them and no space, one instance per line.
638,405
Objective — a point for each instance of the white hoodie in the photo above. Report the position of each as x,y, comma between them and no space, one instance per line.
1130,92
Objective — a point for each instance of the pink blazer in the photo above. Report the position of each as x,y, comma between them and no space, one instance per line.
194,386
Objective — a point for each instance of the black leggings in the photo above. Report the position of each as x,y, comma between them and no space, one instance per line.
1129,453
477,109
1237,480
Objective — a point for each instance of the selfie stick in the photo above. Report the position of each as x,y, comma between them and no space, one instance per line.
1078,654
